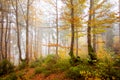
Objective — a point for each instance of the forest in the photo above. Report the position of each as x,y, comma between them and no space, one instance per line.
59,39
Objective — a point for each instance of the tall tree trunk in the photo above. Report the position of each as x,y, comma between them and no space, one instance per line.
90,48
94,35
9,38
72,30
89,29
57,27
18,33
2,26
6,32
27,33
35,48
119,22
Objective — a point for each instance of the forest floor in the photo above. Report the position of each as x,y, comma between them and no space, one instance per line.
28,74
50,68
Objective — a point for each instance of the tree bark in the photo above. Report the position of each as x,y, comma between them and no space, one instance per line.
6,34
72,30
94,35
119,22
90,48
76,42
57,27
27,33
18,33
2,25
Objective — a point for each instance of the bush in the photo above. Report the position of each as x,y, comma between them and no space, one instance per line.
38,70
43,70
51,64
22,65
50,59
12,76
6,67
73,73
35,64
62,65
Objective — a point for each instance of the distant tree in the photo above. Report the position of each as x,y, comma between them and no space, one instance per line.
109,38
119,19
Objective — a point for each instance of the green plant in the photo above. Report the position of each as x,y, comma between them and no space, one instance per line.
12,76
21,75
62,65
73,73
43,70
6,67
50,59
22,65
35,64
38,70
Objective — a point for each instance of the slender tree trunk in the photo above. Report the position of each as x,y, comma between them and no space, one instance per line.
2,26
90,48
76,42
35,48
27,33
89,29
72,30
48,43
31,46
57,27
119,22
6,32
9,38
18,33
94,35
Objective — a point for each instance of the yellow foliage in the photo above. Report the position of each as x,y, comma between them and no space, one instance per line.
104,55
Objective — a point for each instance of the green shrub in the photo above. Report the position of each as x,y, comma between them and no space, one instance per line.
35,64
12,76
49,63
50,59
6,67
107,70
117,61
22,65
52,64
73,73
62,65
43,70
38,70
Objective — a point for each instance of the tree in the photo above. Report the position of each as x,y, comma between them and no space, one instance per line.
72,30
119,22
57,27
73,21
27,32
90,48
18,32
